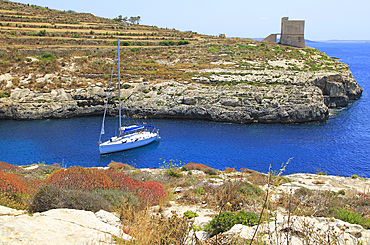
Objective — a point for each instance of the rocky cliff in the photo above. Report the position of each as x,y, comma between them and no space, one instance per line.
277,97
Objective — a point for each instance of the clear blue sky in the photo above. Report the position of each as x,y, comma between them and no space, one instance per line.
325,19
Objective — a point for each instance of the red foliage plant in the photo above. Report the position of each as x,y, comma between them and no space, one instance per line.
11,184
7,167
80,178
150,191
230,170
363,195
195,166
248,171
89,179
119,165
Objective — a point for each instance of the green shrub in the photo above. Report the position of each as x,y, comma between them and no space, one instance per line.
279,180
116,98
40,33
48,56
212,49
341,192
4,94
135,49
166,43
199,191
189,214
139,44
125,43
145,91
350,217
172,173
117,197
250,190
228,219
52,197
212,177
183,42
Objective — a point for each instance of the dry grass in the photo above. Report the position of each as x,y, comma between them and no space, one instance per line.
147,228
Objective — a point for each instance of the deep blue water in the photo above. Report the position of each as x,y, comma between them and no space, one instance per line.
339,146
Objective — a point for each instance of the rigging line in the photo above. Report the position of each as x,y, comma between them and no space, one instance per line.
106,103
119,87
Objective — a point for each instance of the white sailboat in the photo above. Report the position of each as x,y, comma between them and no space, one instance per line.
130,136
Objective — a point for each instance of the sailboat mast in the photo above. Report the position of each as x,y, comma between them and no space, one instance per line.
119,89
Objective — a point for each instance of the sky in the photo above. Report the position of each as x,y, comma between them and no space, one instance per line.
324,19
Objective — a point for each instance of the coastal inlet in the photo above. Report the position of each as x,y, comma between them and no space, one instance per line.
339,146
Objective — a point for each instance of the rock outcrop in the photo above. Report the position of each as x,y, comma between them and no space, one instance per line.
304,230
269,97
59,226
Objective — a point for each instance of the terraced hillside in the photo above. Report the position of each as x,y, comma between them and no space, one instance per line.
30,26
51,56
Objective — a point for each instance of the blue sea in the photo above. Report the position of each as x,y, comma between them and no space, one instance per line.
341,146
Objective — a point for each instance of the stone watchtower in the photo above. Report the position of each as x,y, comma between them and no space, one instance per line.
292,32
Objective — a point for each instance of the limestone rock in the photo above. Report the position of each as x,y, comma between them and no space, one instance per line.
108,218
20,94
60,226
10,211
60,95
269,96
303,230
339,90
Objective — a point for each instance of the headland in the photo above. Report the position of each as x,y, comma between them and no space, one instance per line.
64,71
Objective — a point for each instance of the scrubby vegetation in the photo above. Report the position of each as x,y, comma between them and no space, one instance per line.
226,220
75,187
235,197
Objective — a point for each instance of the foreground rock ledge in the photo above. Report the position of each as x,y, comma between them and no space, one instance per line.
305,98
59,226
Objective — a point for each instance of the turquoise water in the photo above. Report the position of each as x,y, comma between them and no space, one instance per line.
339,146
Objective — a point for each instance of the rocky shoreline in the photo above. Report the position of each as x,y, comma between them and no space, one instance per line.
250,96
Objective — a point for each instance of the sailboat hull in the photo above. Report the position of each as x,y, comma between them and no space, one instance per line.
121,145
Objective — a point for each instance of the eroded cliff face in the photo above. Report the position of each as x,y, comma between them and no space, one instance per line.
278,97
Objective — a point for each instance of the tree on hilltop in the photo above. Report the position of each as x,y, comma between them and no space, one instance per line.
135,20
132,19
120,19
